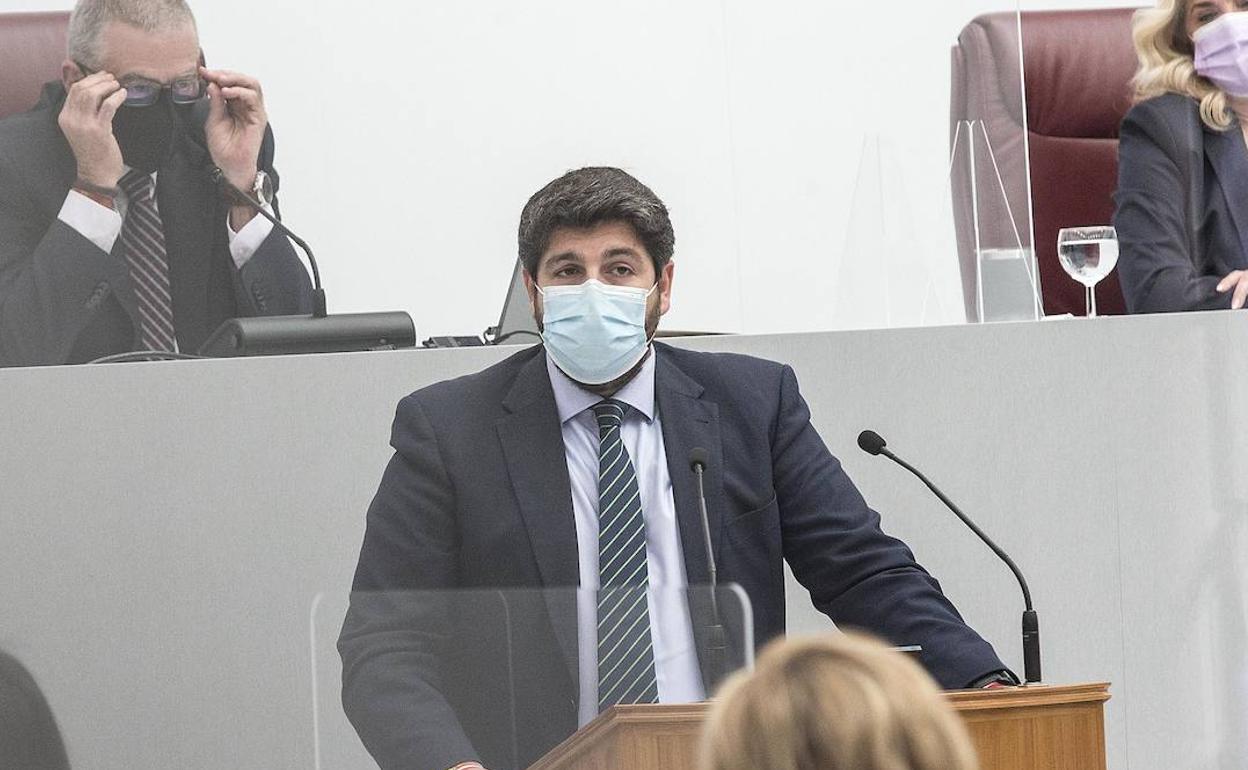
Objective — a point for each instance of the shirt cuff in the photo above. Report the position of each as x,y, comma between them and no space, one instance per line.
1002,678
98,224
246,242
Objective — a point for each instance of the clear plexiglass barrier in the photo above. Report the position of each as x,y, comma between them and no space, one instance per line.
989,175
435,678
940,226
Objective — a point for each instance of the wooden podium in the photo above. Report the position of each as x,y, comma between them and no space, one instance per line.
1025,728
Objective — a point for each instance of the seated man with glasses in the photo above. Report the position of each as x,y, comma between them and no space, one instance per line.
113,235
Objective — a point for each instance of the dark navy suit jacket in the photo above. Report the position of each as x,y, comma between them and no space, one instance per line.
477,495
1181,207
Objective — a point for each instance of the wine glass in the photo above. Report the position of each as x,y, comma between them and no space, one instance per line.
1088,254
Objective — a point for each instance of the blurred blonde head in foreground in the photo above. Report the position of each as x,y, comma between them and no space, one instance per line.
840,702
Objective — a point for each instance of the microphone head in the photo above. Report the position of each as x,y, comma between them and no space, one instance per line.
871,442
699,458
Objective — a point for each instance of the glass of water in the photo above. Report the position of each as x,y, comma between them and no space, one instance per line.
1088,254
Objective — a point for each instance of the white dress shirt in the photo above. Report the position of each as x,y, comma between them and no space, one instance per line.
102,225
671,629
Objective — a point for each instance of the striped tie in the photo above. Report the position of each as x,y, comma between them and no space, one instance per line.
143,239
625,651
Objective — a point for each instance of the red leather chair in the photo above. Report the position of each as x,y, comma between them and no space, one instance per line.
1078,67
32,47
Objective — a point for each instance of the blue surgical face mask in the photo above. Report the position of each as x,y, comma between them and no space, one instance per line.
595,333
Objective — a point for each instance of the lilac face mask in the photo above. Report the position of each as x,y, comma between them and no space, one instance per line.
1222,53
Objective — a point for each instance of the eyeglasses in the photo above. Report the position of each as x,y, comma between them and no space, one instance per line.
141,92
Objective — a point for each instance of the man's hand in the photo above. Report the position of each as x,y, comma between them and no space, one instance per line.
87,122
1238,281
236,124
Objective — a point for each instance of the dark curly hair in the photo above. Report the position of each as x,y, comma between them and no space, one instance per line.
592,196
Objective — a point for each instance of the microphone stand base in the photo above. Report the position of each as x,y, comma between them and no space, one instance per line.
297,334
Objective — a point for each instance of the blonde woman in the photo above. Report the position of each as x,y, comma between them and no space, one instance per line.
1182,200
841,702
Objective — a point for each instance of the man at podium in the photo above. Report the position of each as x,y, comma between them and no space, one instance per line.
568,464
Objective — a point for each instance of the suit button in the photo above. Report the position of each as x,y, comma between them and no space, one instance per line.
97,296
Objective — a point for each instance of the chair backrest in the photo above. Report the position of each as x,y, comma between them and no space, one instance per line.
1077,71
32,47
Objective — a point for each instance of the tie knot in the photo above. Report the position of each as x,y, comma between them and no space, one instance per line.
136,185
610,414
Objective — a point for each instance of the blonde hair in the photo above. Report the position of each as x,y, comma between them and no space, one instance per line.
1167,66
841,702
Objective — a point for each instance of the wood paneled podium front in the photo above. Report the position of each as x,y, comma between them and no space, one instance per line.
1025,728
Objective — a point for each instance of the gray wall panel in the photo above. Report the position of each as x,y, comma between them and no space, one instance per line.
164,528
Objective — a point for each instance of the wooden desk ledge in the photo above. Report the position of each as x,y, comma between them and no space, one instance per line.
1036,695
1041,727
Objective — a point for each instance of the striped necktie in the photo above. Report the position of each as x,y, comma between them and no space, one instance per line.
625,650
143,239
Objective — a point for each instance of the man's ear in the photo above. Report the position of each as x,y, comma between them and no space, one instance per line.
535,307
666,276
535,302
71,73
530,288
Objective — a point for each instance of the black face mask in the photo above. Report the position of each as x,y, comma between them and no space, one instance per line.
146,134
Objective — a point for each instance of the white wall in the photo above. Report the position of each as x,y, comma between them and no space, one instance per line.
411,134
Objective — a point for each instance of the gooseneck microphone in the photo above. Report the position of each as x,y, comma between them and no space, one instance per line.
318,292
874,444
717,638
699,459
318,333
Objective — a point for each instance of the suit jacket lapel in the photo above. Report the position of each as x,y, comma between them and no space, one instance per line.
1229,157
532,440
690,421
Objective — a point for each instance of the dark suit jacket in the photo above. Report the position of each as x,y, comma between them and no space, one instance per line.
477,495
1181,207
64,301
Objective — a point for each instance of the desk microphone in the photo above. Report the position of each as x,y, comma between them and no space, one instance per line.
873,444
717,638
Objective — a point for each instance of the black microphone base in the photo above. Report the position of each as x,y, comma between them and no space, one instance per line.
716,657
1031,647
295,334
